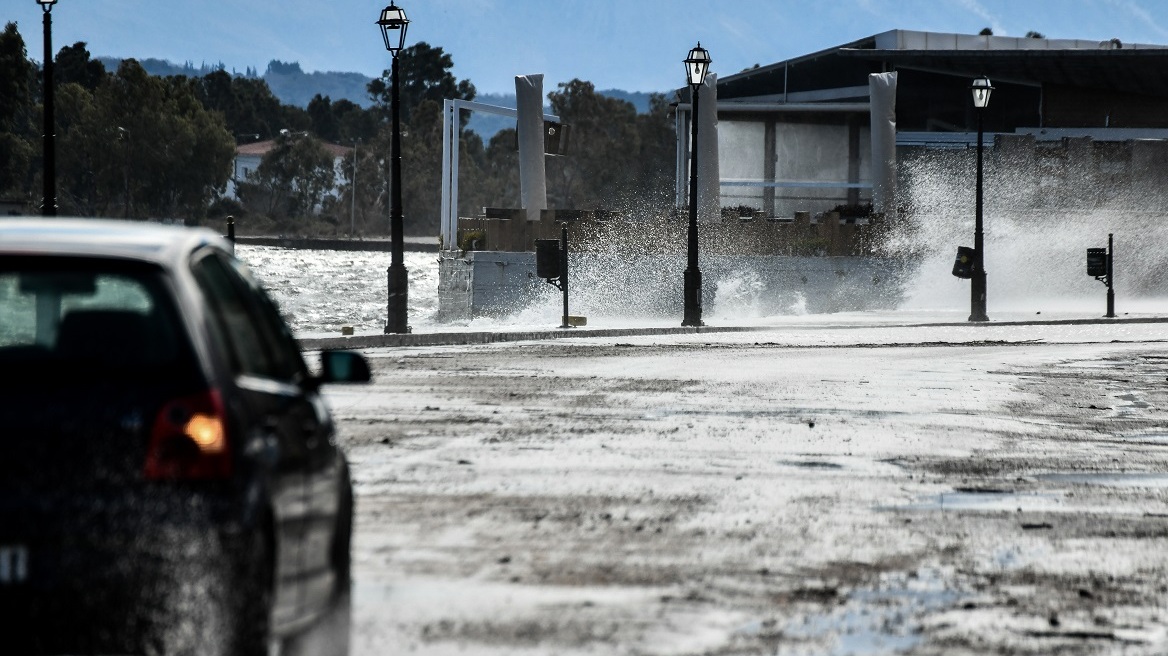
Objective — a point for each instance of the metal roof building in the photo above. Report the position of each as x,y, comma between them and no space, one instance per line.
797,134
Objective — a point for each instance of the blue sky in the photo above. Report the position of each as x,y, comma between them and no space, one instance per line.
636,45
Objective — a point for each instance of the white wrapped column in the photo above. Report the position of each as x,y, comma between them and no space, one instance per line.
709,177
532,176
882,91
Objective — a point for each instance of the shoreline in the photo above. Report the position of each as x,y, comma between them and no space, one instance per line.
412,244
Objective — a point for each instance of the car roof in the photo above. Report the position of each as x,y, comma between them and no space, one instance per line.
165,245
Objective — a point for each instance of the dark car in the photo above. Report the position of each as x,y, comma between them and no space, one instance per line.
169,477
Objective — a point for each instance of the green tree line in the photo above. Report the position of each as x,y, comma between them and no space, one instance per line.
134,145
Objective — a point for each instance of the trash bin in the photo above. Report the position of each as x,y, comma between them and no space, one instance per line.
547,258
963,267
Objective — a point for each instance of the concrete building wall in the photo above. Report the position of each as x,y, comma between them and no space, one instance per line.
493,284
831,158
247,164
244,165
742,156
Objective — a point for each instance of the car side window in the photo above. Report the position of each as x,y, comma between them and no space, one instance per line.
285,350
257,347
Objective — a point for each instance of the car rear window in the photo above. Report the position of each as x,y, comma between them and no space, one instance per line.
76,313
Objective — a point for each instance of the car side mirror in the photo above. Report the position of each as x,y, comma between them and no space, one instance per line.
344,367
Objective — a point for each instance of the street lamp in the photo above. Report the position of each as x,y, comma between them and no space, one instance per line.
981,89
393,23
353,193
696,67
49,199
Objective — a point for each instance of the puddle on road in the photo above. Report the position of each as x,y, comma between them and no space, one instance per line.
811,464
1151,439
875,620
985,500
1015,556
1132,404
1144,480
788,414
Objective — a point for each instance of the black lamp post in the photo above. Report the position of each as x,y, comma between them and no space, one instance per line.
696,67
49,199
981,89
393,23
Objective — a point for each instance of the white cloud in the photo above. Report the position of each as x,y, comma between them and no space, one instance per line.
1139,13
978,9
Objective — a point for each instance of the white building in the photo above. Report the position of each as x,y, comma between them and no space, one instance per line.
248,157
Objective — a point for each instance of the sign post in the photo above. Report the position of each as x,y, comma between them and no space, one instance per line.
551,264
1100,265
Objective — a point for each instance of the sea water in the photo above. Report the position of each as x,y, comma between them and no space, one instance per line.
1035,241
323,291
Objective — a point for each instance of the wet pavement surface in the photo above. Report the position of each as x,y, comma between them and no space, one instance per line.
911,490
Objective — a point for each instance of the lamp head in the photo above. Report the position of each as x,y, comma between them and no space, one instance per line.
393,24
981,89
697,65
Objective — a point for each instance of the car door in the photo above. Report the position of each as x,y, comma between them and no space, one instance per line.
322,472
278,418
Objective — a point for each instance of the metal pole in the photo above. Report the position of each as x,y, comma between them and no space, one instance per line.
353,191
455,162
397,318
693,275
564,270
127,148
444,210
1110,276
978,283
49,199
679,177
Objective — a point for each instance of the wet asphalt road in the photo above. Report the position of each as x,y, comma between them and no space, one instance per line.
915,490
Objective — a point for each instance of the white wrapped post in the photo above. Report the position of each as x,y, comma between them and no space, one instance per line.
709,176
532,176
882,90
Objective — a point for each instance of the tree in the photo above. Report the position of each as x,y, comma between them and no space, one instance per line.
425,82
324,123
343,121
91,163
140,146
15,72
421,167
502,168
247,105
654,160
986,31
425,75
277,67
16,104
599,170
1035,35
292,179
369,213
74,64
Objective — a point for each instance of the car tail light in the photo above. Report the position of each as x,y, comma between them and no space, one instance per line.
189,440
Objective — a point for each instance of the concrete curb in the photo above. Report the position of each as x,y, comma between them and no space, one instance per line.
487,337
1045,322
453,339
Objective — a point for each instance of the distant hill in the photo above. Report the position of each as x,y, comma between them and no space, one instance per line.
293,86
286,80
163,68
